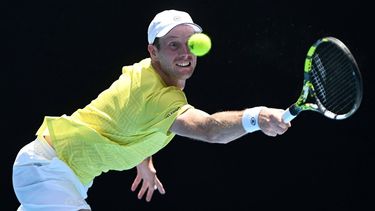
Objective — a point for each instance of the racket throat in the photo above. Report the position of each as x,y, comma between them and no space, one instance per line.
294,110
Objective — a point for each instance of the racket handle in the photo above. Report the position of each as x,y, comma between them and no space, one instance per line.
287,116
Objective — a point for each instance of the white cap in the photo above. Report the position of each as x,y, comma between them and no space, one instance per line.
165,21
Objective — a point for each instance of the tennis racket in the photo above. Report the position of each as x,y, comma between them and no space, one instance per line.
332,82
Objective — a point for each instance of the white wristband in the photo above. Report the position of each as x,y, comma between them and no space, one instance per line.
250,119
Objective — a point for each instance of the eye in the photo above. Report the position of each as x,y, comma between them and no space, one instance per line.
173,45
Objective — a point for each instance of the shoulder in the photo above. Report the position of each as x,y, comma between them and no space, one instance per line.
139,66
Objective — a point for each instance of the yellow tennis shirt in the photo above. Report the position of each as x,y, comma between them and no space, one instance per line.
120,128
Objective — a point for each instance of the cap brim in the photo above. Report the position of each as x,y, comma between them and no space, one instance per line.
165,31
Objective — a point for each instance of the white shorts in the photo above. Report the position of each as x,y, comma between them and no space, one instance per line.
43,182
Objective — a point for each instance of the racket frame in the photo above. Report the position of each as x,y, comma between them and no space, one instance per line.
308,96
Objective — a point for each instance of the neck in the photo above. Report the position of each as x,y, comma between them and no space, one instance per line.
181,84
168,80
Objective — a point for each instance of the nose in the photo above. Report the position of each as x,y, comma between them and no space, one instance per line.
185,49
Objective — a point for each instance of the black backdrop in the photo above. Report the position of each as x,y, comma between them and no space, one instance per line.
58,56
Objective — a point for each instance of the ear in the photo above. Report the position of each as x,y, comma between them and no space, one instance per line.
152,50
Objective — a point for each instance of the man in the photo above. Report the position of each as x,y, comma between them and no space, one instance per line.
127,123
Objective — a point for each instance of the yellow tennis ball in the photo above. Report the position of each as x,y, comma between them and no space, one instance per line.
199,44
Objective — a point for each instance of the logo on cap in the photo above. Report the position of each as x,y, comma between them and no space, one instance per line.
177,18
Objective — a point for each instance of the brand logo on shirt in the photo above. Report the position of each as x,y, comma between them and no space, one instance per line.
172,112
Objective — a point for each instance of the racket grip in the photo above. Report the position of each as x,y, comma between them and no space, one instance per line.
287,116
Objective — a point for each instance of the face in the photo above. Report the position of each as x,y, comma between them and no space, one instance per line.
173,60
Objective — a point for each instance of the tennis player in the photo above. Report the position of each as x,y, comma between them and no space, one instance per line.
127,123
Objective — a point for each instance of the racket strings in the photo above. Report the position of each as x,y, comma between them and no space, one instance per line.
322,84
335,97
332,77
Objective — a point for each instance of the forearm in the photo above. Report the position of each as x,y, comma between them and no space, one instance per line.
224,127
220,127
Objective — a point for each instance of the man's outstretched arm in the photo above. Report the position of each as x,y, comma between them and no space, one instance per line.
226,126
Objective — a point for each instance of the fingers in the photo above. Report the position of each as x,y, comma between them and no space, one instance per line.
159,186
150,192
282,128
276,127
148,187
271,122
141,192
136,183
143,189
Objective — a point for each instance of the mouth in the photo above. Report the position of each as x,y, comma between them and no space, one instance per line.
183,64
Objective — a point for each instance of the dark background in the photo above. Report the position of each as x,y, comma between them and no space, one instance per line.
59,55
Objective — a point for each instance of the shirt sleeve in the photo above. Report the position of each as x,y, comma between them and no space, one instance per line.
166,106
